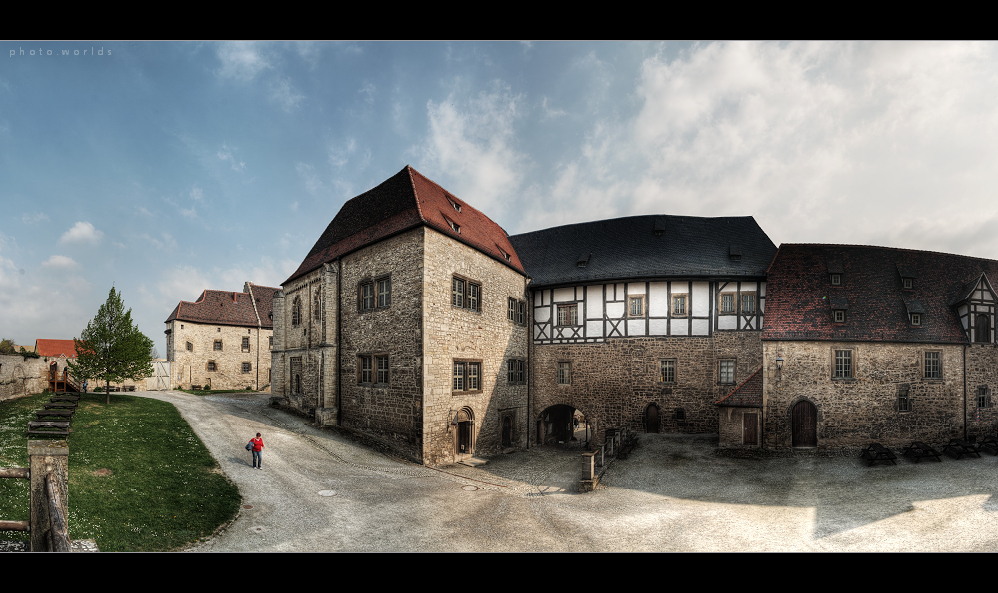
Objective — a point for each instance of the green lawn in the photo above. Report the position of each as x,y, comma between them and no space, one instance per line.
140,480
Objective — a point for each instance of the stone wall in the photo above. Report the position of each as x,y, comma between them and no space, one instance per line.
863,409
731,427
23,376
459,334
982,371
190,367
614,382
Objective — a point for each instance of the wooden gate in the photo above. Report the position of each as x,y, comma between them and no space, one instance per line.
750,428
161,375
804,425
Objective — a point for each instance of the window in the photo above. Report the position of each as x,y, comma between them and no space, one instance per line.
933,365
668,374
983,397
467,376
839,316
246,345
190,347
836,279
384,292
916,319
247,367
382,368
466,294
907,283
679,304
365,369
842,365
904,399
726,371
748,303
218,344
516,371
317,305
270,342
367,296
636,306
211,366
680,415
568,314
564,373
982,328
296,311
727,303
511,309
456,206
521,312
454,226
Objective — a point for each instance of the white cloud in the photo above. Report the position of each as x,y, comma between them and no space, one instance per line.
196,192
33,217
82,232
241,60
59,262
368,91
312,182
285,95
474,142
225,154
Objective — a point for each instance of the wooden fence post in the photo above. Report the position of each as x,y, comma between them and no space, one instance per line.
45,457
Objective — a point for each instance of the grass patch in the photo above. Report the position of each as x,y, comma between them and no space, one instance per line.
140,480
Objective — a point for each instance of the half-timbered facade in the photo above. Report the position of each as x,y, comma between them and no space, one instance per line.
643,321
405,321
877,344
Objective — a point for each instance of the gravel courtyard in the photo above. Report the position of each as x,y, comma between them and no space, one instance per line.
321,490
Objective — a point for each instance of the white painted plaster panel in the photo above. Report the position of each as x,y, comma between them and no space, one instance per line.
727,322
658,299
701,298
594,302
594,329
562,295
635,327
620,292
635,288
542,314
658,327
680,327
762,289
701,327
614,310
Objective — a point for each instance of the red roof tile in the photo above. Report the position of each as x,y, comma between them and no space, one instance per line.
800,297
405,201
746,395
65,348
229,308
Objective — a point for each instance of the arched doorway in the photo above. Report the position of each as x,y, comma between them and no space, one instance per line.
507,432
563,425
465,445
804,425
652,422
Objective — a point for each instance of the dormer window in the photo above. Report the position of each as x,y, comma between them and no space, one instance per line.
839,316
454,226
456,206
916,319
734,253
583,260
906,283
503,252
836,279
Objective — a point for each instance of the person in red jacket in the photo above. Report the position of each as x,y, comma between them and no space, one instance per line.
257,451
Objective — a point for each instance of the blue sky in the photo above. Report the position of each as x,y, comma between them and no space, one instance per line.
165,168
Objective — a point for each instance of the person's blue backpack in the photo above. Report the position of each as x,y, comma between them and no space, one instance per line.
249,446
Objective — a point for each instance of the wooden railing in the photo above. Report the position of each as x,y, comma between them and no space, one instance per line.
48,475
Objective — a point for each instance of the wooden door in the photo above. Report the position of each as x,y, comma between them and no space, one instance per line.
507,432
804,425
750,429
651,419
464,438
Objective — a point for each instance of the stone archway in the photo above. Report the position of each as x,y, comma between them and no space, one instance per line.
653,421
564,425
464,445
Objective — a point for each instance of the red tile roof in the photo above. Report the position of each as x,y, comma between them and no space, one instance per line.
800,297
65,348
405,201
746,395
219,307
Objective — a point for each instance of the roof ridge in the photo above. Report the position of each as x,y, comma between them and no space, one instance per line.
588,222
885,247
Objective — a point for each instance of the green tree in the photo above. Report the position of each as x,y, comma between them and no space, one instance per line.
7,346
112,348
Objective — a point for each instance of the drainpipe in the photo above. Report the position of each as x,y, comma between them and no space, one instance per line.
339,335
530,353
965,392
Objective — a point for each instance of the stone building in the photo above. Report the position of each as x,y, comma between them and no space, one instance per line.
407,320
877,344
642,322
222,339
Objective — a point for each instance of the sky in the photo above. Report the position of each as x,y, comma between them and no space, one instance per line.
166,168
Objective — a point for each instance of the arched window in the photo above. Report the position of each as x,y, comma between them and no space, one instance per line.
317,305
296,311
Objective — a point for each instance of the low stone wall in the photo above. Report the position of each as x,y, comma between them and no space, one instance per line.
22,376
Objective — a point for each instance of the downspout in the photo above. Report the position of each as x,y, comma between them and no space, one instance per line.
529,420
339,335
965,392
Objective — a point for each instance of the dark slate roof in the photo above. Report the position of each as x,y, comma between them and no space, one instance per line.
800,297
645,247
405,201
746,395
221,307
